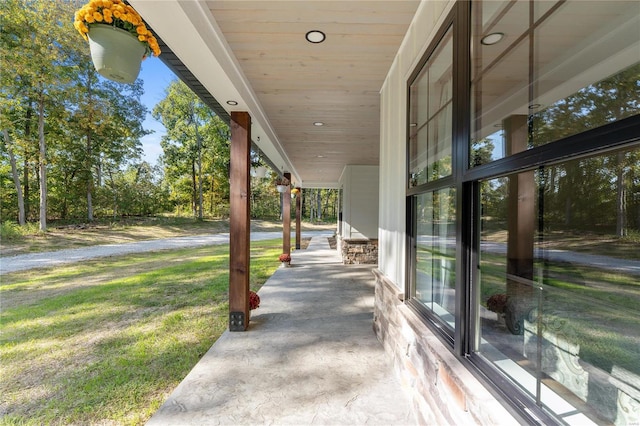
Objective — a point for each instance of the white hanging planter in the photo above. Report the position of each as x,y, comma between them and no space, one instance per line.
259,172
116,54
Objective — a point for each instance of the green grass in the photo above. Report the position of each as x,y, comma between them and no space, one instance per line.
106,341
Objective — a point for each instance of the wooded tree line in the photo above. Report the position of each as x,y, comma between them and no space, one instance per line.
71,140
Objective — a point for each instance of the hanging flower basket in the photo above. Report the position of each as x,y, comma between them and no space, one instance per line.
116,53
259,172
282,184
118,38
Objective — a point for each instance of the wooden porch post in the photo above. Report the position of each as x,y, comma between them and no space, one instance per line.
298,206
286,217
239,233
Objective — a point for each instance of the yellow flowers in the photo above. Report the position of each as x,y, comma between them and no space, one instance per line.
119,15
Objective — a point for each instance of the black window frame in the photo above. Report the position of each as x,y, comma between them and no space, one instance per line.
465,180
447,335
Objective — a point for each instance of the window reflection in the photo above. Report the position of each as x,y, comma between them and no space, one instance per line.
431,118
559,285
565,70
435,253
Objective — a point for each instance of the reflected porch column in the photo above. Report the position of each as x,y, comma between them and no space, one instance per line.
521,225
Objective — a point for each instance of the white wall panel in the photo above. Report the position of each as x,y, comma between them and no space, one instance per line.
361,201
393,152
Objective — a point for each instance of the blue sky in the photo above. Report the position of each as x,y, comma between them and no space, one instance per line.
156,78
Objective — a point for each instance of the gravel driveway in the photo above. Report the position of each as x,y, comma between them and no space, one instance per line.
54,258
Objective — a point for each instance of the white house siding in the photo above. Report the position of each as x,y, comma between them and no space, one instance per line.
360,195
391,248
442,389
393,139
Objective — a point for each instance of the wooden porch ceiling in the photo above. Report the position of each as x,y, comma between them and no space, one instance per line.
336,82
256,51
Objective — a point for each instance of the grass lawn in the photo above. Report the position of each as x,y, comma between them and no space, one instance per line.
106,341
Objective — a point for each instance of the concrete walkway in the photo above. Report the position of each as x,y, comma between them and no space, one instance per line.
309,357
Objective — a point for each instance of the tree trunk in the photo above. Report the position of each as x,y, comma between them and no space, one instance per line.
89,180
312,210
325,208
88,159
199,173
194,190
319,204
64,210
42,165
16,178
212,198
25,170
620,195
26,192
89,206
115,193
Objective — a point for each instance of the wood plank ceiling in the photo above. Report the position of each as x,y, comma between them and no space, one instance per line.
336,82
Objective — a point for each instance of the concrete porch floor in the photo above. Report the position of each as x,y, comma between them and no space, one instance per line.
309,356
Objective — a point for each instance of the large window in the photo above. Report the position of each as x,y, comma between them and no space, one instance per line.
524,202
559,292
433,202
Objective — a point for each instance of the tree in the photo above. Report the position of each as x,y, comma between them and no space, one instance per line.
15,176
196,147
590,183
85,124
36,38
106,118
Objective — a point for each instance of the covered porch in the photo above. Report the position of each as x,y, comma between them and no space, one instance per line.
309,355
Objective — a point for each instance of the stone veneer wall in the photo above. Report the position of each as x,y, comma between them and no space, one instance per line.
356,252
443,391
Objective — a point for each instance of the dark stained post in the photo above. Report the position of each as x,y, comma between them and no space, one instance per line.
298,208
239,221
286,217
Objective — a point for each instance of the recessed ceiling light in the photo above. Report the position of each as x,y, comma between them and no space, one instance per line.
492,38
319,156
315,36
232,103
318,123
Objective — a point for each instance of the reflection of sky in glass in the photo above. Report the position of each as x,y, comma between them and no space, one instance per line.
497,139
